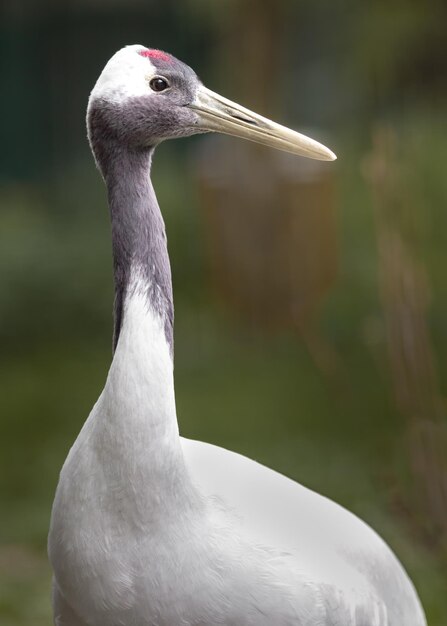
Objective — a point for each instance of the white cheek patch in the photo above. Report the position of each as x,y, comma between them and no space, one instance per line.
126,75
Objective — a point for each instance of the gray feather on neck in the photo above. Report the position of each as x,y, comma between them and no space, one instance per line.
138,232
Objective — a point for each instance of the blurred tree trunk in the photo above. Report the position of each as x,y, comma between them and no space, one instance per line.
270,216
251,52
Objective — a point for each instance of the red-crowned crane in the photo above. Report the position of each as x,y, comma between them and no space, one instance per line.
148,528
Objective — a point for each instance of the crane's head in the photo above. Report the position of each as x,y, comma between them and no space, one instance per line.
144,96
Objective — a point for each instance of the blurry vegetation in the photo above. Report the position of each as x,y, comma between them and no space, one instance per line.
346,68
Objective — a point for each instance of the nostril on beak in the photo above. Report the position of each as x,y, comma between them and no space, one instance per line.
242,118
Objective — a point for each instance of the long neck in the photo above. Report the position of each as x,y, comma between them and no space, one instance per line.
140,252
135,418
139,393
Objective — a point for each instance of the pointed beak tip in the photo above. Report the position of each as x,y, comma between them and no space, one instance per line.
328,155
323,154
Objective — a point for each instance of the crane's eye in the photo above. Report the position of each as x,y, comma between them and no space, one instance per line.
158,83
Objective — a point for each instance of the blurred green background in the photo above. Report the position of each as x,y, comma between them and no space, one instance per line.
311,300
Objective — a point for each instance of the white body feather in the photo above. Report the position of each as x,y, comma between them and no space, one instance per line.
149,529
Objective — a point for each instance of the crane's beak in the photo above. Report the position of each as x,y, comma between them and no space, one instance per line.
218,114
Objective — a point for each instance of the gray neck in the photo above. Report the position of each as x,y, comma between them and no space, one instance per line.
138,236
